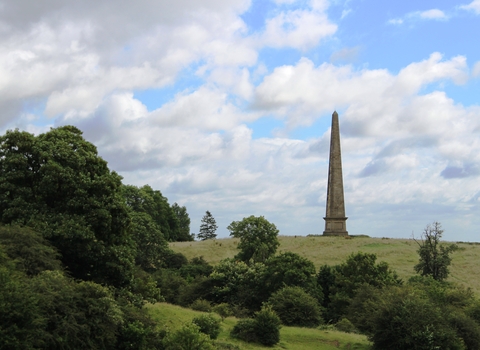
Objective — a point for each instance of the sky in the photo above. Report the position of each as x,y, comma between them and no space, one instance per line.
225,105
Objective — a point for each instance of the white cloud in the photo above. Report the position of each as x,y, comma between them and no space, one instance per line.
293,91
300,29
473,6
433,14
476,69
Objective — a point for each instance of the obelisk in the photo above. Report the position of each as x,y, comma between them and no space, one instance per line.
335,219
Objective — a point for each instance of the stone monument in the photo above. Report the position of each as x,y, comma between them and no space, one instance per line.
335,219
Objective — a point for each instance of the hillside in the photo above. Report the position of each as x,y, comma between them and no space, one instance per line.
172,317
400,254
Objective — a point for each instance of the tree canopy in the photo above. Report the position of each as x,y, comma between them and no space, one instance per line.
56,183
258,238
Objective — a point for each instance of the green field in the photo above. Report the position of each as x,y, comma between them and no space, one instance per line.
400,254
171,317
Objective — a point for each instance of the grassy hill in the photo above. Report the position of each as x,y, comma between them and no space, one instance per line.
172,317
400,254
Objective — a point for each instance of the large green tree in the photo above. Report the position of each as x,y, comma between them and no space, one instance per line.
258,238
56,183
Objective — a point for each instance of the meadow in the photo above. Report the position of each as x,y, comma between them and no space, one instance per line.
172,317
400,254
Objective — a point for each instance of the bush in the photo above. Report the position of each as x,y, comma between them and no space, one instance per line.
245,330
407,319
223,310
296,308
344,325
208,324
267,326
263,329
201,305
188,337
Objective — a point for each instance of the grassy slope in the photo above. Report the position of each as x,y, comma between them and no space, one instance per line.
400,254
172,317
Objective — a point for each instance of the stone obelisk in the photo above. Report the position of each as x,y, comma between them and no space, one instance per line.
335,219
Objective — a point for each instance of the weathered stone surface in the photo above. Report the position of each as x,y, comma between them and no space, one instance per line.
335,219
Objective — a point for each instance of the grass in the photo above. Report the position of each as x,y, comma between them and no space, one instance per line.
400,254
172,317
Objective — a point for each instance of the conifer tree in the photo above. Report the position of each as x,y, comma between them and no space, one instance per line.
208,227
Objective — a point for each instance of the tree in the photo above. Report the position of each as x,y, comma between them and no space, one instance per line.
208,227
258,238
56,183
434,257
358,270
183,234
296,308
290,269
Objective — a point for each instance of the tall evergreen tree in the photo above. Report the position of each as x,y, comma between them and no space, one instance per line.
208,227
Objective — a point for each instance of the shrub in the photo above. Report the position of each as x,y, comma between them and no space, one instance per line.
245,330
263,329
267,326
223,310
296,308
188,337
208,324
201,305
344,325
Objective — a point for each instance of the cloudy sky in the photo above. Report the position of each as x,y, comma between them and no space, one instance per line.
225,105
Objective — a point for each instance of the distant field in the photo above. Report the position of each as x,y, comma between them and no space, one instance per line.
400,254
172,317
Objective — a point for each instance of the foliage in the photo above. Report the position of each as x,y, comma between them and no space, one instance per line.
145,286
267,326
264,328
245,330
296,308
21,322
345,325
357,270
197,266
188,337
208,324
208,227
434,257
258,238
223,310
290,269
236,283
170,283
30,251
326,281
201,305
175,260
183,231
57,183
407,319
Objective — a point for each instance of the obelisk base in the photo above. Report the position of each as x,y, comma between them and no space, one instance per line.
335,227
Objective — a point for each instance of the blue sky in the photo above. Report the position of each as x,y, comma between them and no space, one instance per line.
225,105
